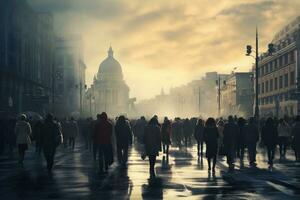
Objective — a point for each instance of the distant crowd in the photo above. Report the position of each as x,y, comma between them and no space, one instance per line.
230,137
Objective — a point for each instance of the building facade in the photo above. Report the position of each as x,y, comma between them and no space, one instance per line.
279,80
26,58
109,93
237,95
69,76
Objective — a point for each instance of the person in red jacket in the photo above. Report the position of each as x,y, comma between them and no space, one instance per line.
102,141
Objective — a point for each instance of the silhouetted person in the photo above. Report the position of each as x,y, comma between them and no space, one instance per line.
177,131
211,136
51,138
199,136
187,131
220,127
102,141
152,141
166,131
241,138
124,139
270,138
37,135
296,138
284,134
139,129
23,133
73,132
251,139
231,132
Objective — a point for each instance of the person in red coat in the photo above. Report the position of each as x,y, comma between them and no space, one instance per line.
102,141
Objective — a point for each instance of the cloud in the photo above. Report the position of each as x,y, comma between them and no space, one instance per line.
155,39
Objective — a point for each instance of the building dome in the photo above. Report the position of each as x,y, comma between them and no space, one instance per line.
110,68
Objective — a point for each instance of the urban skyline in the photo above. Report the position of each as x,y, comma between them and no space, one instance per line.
174,30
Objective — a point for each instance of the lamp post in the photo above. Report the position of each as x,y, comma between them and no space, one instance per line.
218,83
249,51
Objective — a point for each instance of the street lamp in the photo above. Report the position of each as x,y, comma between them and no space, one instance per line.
271,50
218,83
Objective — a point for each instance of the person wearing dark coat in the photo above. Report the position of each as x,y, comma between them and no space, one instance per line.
231,133
296,138
210,136
199,136
102,141
166,130
187,131
251,139
51,137
37,135
270,138
124,139
152,141
241,122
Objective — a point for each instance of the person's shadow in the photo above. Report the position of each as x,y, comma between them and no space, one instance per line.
153,190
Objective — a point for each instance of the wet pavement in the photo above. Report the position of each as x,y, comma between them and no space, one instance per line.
182,175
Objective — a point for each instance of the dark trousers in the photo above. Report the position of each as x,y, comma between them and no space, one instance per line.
72,142
49,154
103,155
283,145
166,148
199,148
241,151
252,152
214,158
22,148
122,154
230,155
271,154
152,160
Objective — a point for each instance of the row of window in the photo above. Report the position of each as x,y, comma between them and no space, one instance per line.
280,82
277,63
272,99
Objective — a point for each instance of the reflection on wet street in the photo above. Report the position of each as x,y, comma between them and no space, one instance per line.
179,175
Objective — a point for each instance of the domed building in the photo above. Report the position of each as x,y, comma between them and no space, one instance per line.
111,93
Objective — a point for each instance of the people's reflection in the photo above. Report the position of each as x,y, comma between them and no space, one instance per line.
153,190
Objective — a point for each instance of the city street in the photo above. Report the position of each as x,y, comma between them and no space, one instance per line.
75,176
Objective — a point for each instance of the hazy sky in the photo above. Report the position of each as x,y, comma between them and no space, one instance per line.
164,43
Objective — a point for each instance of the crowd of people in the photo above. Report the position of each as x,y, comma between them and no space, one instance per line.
105,137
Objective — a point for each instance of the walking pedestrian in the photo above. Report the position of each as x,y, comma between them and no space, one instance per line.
166,135
123,138
211,135
139,129
102,141
231,132
23,133
152,141
270,138
284,135
199,136
51,138
187,131
251,139
37,135
296,138
241,138
73,132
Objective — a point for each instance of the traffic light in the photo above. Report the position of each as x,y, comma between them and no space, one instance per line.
249,50
271,49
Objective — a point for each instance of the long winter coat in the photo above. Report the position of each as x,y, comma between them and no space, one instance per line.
296,136
251,134
211,136
102,131
231,133
152,140
51,135
269,135
23,132
166,130
123,134
199,133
